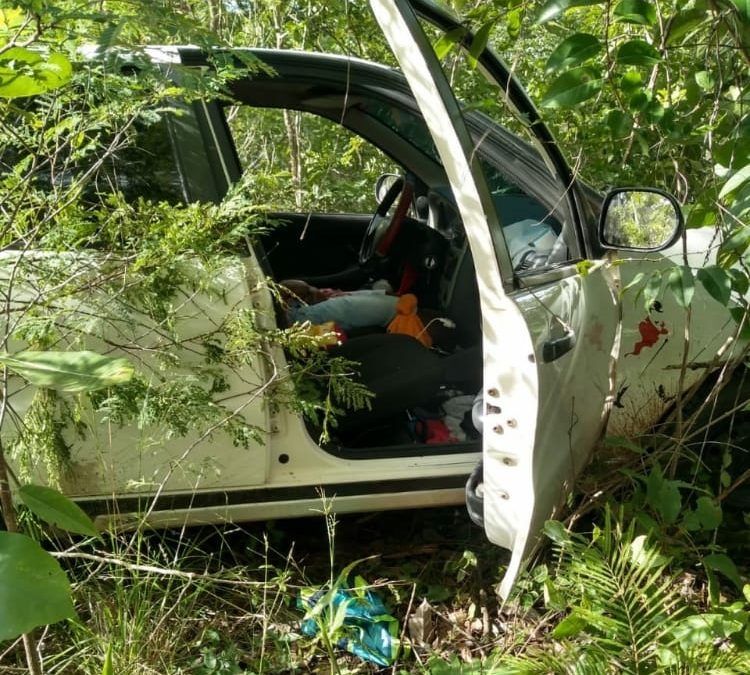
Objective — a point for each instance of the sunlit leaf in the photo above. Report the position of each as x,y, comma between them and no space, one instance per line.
743,8
573,51
652,289
635,11
683,23
705,80
738,179
556,531
34,590
573,87
700,216
24,72
555,8
734,246
513,22
637,279
56,509
69,371
637,53
107,668
479,42
645,556
717,282
682,284
11,19
448,41
701,629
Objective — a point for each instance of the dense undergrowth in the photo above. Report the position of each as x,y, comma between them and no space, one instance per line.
618,596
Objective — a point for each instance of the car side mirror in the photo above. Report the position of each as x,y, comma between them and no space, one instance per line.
640,219
384,184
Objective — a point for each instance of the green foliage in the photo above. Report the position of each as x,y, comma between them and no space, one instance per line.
33,588
69,371
217,658
56,509
626,613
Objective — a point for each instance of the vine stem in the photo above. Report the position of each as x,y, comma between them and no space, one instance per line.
33,661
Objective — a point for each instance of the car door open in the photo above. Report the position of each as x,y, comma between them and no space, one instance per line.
545,389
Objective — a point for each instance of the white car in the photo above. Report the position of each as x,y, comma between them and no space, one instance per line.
513,256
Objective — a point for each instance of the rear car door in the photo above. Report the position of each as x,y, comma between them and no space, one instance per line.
550,333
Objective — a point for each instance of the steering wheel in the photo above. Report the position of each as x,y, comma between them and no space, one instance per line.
382,229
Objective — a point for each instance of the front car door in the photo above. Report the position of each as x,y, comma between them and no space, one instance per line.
550,334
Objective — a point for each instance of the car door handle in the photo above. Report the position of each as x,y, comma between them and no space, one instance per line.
554,348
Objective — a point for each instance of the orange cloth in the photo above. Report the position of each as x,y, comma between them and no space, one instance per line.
407,321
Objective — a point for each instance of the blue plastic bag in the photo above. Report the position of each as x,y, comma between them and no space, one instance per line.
366,629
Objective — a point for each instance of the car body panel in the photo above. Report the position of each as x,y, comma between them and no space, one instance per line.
649,372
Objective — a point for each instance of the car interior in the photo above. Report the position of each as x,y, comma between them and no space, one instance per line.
413,239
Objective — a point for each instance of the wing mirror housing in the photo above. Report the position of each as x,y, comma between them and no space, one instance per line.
384,184
640,219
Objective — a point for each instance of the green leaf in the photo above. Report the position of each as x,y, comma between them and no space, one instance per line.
11,19
663,495
573,51
583,267
743,8
56,509
573,87
447,41
738,314
571,625
479,43
706,516
734,246
555,8
69,371
108,669
684,22
635,11
637,279
34,590
717,282
513,22
737,180
556,531
740,281
704,629
682,284
622,442
651,290
637,53
705,80
24,72
725,565
620,123
700,215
